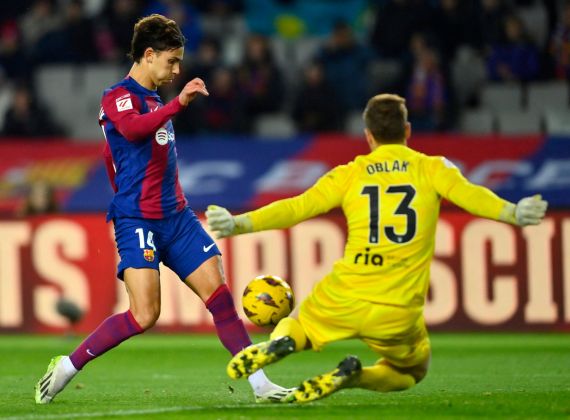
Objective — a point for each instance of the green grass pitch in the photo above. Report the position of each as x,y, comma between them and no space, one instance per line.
183,376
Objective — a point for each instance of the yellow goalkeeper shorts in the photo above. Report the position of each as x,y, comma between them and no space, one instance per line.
396,333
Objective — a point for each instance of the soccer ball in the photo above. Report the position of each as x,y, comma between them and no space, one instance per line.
267,299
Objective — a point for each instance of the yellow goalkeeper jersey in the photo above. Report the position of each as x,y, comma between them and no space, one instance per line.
391,199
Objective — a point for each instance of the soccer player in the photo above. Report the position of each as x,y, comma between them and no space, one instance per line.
376,291
150,214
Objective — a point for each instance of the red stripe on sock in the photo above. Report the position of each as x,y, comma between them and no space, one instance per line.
229,327
221,289
134,321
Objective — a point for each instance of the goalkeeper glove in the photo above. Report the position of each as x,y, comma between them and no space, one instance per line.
223,224
528,211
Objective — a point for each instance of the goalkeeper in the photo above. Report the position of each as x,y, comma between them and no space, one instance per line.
376,291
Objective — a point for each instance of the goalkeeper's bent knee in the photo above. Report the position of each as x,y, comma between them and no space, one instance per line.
290,327
384,378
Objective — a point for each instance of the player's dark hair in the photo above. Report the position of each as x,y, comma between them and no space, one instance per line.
157,32
386,116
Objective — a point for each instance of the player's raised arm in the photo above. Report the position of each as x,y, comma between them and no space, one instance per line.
482,202
193,88
123,109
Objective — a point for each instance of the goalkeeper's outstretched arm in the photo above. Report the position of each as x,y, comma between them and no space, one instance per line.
223,224
277,215
528,211
326,194
482,202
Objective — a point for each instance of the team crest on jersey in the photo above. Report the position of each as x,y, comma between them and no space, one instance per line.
148,254
124,102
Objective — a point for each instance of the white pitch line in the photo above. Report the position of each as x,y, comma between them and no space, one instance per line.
135,412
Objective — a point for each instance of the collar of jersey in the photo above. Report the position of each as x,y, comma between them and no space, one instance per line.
137,86
388,147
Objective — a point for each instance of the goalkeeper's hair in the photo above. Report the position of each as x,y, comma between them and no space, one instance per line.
386,116
157,32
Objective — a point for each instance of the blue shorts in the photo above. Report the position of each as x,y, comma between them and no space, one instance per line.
178,241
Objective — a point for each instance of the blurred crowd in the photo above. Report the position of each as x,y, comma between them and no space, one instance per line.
315,61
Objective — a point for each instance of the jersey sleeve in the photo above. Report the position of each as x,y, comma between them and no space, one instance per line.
326,194
453,186
123,110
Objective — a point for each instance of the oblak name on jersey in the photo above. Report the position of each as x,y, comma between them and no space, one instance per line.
387,166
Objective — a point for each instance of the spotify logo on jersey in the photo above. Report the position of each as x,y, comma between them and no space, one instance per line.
162,136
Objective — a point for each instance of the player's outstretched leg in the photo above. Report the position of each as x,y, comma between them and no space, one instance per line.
59,372
324,385
256,356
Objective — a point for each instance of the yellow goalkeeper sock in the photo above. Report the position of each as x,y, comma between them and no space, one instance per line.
384,378
290,327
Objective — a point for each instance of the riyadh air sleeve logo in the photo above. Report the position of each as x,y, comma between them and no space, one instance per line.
124,103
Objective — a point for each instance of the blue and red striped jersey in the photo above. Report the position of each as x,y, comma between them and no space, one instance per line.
140,152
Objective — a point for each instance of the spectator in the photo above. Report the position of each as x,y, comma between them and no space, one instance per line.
206,60
220,113
517,58
343,58
115,31
259,79
38,27
26,118
560,44
394,24
219,7
202,64
186,15
426,93
12,9
221,17
13,60
491,22
316,107
72,41
79,32
454,27
41,199
39,20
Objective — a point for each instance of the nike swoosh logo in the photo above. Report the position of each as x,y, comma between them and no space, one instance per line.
89,353
207,248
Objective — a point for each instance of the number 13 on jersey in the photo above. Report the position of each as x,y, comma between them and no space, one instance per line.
403,209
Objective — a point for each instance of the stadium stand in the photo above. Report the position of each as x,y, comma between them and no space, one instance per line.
499,97
477,122
557,122
548,95
518,122
274,126
470,96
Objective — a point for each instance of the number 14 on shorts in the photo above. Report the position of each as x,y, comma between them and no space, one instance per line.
148,254
149,239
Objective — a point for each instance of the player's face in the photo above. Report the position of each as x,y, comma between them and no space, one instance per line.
166,65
